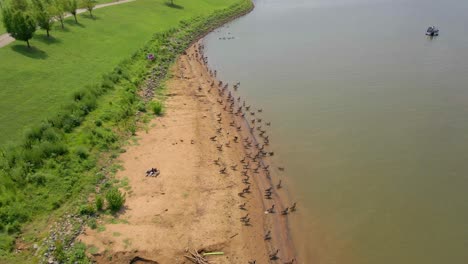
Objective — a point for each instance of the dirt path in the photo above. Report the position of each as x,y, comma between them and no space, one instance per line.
6,39
191,204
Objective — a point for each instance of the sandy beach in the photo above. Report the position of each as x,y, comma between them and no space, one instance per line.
213,159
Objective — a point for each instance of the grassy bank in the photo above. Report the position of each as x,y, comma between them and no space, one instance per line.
36,83
56,166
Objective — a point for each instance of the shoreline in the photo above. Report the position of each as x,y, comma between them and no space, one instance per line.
210,220
269,175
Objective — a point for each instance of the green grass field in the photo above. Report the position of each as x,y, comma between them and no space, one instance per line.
36,82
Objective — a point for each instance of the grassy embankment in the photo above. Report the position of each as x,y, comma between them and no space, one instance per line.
56,165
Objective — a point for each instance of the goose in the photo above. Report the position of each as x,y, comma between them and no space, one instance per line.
274,256
242,206
244,217
278,186
293,207
271,210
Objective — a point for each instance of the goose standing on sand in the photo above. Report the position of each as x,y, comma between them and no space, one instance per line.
242,206
274,256
271,210
278,186
293,207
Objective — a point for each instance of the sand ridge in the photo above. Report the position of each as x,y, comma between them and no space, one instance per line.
192,203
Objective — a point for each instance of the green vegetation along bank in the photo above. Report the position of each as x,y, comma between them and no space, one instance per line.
37,82
56,166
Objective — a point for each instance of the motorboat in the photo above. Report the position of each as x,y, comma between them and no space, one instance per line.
432,31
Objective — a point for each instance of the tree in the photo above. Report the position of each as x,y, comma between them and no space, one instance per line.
19,5
89,5
43,16
20,25
71,7
58,10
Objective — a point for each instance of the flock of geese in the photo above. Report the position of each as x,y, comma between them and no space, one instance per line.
253,163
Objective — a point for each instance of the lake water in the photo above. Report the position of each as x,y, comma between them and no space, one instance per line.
369,117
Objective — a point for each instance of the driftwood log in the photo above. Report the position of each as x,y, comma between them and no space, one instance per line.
195,257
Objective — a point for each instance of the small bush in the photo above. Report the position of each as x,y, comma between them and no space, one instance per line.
87,210
60,252
82,152
141,107
50,135
77,254
37,178
92,223
115,199
99,203
78,95
156,107
98,123
107,84
33,133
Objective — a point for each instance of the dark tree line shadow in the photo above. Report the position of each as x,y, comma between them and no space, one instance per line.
173,5
32,52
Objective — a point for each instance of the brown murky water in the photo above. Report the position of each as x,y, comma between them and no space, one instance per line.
369,117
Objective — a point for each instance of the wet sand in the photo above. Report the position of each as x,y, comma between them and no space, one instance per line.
204,153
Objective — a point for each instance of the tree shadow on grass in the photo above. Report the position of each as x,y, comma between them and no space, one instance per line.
31,52
47,40
88,16
172,5
58,27
71,22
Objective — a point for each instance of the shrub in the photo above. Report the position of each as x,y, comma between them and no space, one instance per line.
87,210
99,203
92,223
115,199
98,123
141,107
60,252
156,107
77,254
78,95
6,243
33,133
107,83
37,178
50,135
82,152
